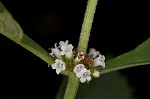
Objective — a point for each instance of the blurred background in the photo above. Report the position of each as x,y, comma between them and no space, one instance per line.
119,26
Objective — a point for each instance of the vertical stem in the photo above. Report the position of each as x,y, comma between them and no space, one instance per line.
72,87
73,81
87,25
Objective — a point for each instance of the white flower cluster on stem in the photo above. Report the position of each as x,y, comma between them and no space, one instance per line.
63,49
83,65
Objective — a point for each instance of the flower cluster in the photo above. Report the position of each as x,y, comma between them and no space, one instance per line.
85,66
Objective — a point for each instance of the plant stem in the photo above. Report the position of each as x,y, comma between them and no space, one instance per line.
72,86
87,25
73,81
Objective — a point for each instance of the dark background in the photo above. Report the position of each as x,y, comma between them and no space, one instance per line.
119,26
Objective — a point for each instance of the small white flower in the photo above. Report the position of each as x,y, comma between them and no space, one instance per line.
99,61
63,49
79,57
59,65
96,73
85,76
63,44
55,51
66,49
93,52
79,70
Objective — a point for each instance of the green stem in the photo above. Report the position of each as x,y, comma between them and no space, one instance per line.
72,87
87,25
73,81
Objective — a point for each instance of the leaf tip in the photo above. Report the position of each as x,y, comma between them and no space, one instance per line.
2,8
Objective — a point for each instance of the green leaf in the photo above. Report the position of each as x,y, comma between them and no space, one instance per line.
139,56
2,8
11,29
62,88
109,86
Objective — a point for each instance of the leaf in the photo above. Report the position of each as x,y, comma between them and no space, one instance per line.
110,86
62,88
11,29
139,56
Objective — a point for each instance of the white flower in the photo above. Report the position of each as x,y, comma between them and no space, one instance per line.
79,70
59,65
93,53
66,49
85,76
99,61
55,51
96,73
79,57
63,44
63,49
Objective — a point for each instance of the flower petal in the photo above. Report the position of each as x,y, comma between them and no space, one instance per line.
62,43
88,78
58,71
56,52
79,75
69,54
54,66
99,61
78,68
93,52
63,67
82,80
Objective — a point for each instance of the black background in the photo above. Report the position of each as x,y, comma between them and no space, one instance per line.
119,26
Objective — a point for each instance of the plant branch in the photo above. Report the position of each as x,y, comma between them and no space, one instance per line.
87,25
73,81
72,86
